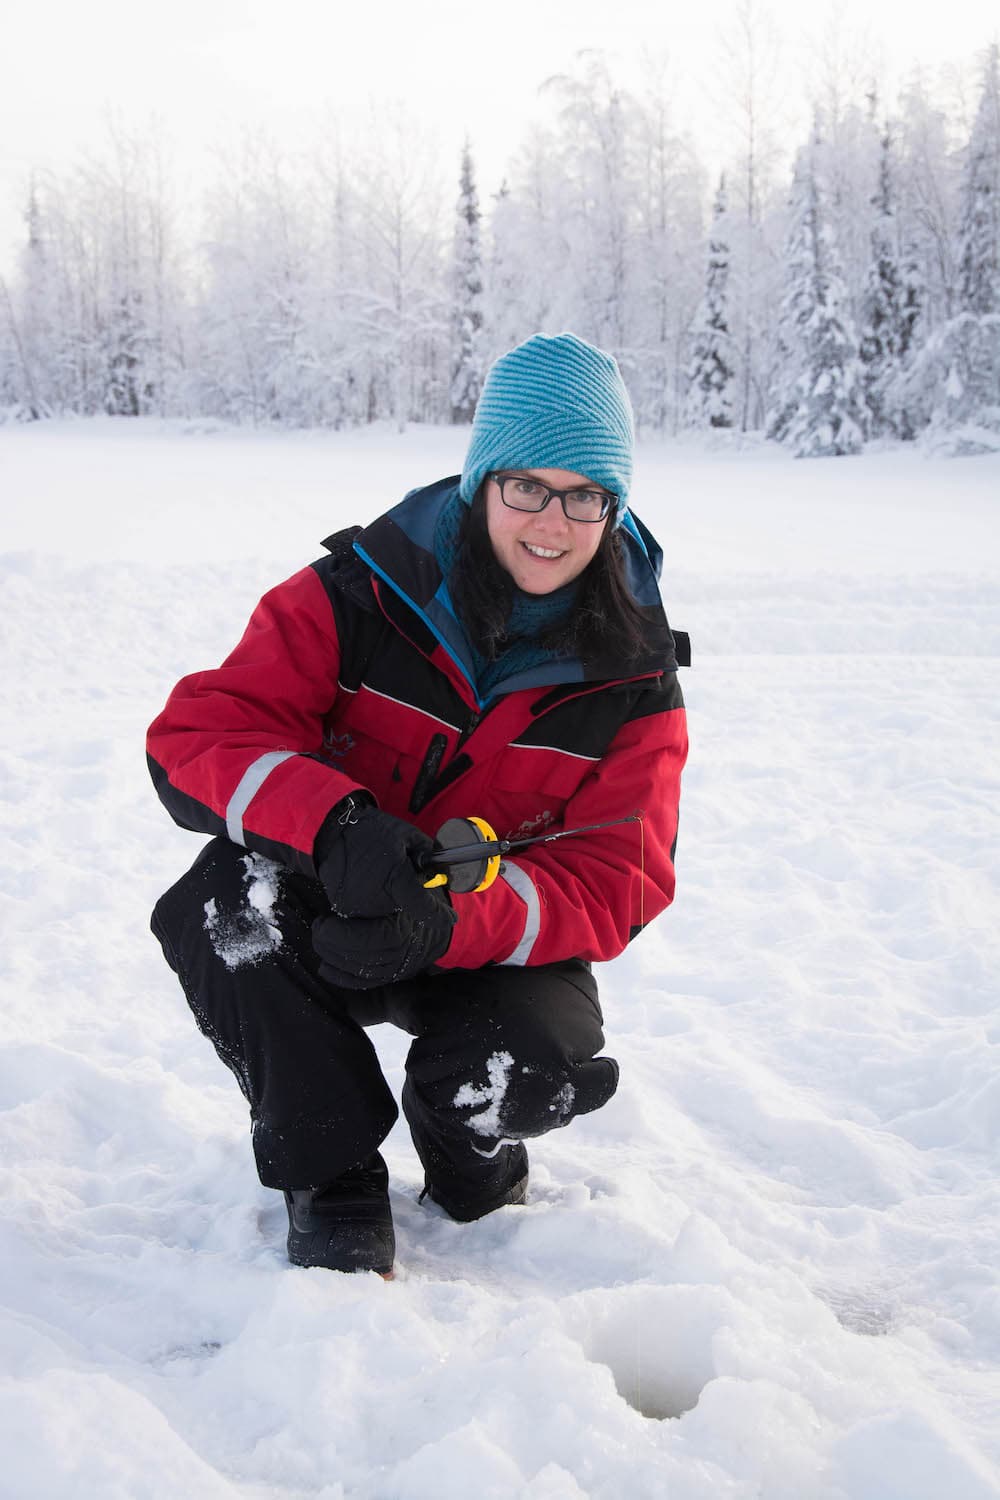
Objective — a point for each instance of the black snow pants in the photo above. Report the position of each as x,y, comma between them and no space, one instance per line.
499,1054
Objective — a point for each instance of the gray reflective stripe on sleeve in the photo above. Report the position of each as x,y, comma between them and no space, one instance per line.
522,885
250,784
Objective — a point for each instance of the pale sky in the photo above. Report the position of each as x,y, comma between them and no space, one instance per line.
209,67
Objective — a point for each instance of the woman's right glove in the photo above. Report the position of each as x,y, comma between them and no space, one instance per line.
365,859
359,953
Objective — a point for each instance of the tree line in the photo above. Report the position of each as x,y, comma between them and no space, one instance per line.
859,301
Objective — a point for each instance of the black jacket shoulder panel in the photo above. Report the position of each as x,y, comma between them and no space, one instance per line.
361,626
586,723
344,571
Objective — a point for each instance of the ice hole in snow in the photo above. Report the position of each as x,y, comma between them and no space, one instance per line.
657,1343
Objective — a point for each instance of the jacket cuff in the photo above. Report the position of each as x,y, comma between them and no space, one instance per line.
329,830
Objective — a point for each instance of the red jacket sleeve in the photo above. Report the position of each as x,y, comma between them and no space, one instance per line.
234,750
586,897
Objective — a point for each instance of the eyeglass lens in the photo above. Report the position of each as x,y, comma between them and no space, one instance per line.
529,494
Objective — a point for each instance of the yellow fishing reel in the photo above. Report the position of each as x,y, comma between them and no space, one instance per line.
466,856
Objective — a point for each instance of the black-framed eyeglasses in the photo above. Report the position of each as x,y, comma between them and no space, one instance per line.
518,492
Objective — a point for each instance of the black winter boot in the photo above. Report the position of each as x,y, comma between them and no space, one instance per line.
344,1225
461,1202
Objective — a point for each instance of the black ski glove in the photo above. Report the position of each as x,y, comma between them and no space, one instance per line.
359,953
364,857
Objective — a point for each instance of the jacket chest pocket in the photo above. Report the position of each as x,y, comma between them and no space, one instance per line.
364,758
529,789
380,744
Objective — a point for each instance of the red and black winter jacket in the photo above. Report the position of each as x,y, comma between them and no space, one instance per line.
355,673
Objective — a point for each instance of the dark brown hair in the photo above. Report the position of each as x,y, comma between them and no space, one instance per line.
605,621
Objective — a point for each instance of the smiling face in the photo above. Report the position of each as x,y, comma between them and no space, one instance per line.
541,550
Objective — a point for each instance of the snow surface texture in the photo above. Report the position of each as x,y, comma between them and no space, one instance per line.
767,1268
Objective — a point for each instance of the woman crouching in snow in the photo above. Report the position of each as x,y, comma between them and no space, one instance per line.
494,645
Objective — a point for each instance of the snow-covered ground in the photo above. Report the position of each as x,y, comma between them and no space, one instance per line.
768,1268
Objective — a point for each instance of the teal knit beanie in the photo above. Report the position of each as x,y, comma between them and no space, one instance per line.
553,403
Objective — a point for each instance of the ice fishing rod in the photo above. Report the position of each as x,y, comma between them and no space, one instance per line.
473,864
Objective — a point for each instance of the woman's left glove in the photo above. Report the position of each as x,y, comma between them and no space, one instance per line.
359,953
365,859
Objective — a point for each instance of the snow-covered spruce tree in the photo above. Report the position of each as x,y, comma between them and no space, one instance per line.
817,407
711,377
954,383
796,304
887,310
467,368
979,235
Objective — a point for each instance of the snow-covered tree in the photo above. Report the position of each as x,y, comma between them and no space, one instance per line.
979,232
954,382
98,296
254,335
529,286
31,326
325,295
952,387
18,390
710,371
887,310
403,297
503,290
817,405
927,202
847,112
597,134
329,288
467,369
125,196
750,103
667,232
